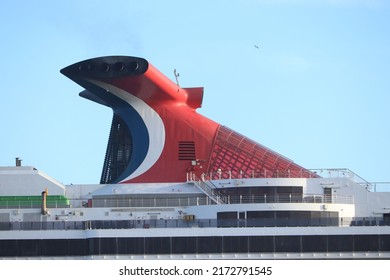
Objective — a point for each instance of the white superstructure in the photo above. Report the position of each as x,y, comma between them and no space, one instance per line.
314,208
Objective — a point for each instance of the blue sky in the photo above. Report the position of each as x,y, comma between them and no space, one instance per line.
317,88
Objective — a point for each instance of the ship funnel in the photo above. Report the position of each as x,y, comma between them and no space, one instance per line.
156,134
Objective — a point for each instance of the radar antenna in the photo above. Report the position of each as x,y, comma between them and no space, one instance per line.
177,75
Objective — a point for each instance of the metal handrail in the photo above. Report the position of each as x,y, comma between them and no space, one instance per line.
183,223
209,191
305,173
227,199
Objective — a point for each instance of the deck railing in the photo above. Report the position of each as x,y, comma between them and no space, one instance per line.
228,174
195,223
197,200
310,173
228,199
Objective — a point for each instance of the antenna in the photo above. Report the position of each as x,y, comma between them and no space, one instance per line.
177,75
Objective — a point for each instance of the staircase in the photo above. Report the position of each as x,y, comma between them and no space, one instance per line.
207,190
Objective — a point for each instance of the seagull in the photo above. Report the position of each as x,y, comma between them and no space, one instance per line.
257,47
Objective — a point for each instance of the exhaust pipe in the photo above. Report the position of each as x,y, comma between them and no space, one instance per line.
44,202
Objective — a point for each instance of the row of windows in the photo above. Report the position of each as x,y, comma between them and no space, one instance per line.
277,218
277,214
196,245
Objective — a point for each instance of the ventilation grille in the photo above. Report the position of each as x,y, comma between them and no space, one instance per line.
187,150
119,151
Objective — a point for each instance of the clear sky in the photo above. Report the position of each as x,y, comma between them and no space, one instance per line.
308,79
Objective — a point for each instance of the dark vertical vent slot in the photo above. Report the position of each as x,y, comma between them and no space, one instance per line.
119,151
187,150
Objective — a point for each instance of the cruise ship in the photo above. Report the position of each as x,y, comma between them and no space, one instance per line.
178,185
